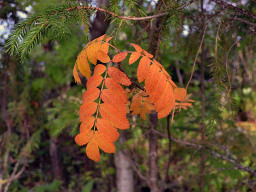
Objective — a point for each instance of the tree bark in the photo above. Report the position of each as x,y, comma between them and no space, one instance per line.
100,24
55,160
124,173
202,88
153,137
155,35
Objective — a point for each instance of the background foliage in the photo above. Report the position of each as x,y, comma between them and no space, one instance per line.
40,100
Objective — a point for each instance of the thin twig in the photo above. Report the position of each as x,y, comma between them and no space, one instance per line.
194,64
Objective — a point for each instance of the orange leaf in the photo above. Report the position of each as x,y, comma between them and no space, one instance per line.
179,93
75,74
99,69
104,144
137,47
109,96
112,114
87,124
92,50
102,37
147,54
134,57
107,129
83,64
92,150
109,38
102,56
119,76
152,79
119,57
94,81
141,105
112,84
166,111
165,97
162,69
83,138
172,83
86,110
143,68
91,94
105,47
156,93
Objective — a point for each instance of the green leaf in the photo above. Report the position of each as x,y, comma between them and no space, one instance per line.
88,186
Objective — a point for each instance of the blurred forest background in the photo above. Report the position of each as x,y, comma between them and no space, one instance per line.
209,147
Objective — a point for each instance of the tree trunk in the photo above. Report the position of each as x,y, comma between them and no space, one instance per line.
100,24
202,89
153,169
55,160
153,48
124,173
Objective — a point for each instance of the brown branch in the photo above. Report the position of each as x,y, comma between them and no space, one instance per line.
137,170
245,21
242,11
132,18
229,157
15,175
202,91
169,147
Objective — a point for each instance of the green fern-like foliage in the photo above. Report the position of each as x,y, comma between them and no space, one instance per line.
52,23
221,99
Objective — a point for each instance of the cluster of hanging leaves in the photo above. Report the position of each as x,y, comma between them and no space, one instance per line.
105,102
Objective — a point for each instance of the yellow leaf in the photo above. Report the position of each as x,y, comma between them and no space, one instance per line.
92,50
75,74
83,64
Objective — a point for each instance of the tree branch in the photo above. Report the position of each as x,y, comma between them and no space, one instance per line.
242,11
229,157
